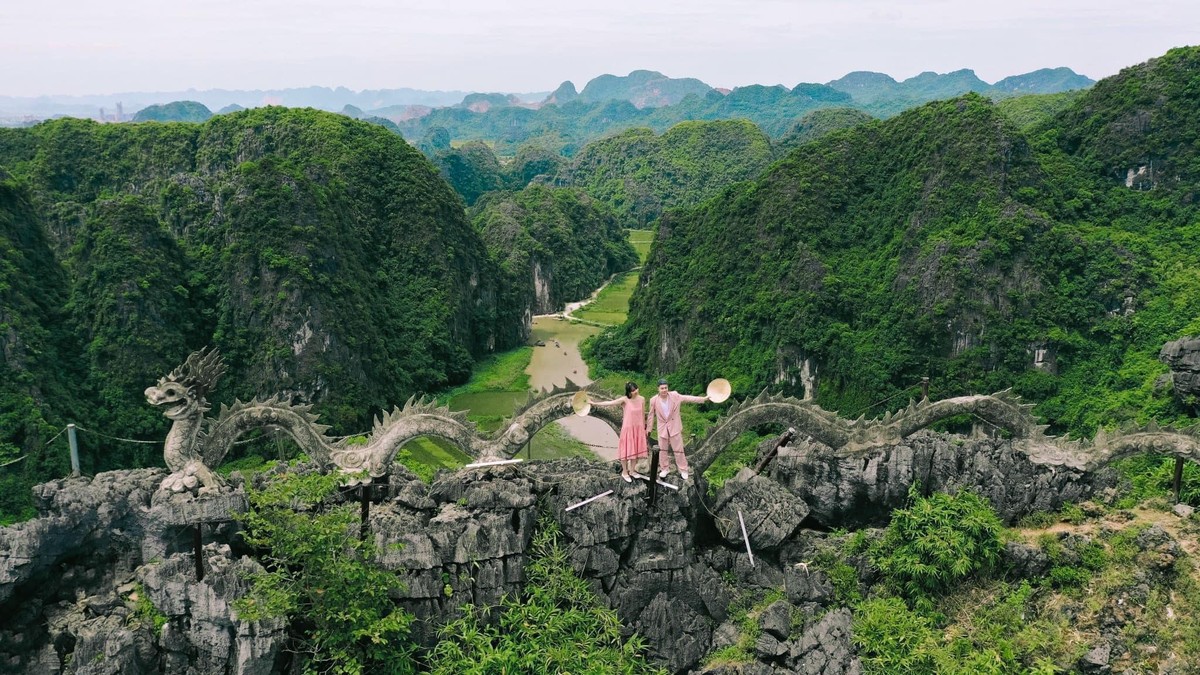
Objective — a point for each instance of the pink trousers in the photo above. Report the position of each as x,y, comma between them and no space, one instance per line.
676,445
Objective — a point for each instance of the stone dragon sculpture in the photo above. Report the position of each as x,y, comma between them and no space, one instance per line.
1003,410
196,444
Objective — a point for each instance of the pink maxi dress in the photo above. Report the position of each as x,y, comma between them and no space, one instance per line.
633,430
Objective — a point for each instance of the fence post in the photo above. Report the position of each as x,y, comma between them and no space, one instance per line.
1178,482
75,473
198,550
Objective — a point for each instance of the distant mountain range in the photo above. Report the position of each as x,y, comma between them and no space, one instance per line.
881,95
876,93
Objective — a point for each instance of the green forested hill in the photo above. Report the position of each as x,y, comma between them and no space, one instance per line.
552,245
1142,126
817,124
640,174
471,170
323,256
945,242
37,356
177,111
567,121
1032,109
643,88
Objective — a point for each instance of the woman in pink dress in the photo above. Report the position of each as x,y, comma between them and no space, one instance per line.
632,444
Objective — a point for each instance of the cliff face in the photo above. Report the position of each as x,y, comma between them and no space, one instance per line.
945,243
324,256
70,580
551,246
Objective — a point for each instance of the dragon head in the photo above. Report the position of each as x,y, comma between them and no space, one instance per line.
182,392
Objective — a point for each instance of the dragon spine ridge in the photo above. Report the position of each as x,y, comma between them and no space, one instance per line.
196,443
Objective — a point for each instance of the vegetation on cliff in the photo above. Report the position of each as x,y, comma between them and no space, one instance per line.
641,174
946,243
552,246
557,625
322,579
36,353
323,256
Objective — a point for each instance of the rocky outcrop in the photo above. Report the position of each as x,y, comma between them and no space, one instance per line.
98,519
201,633
671,570
850,491
1183,357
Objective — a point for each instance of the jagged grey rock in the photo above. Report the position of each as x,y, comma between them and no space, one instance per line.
202,630
846,491
807,585
1182,356
1024,561
770,511
769,648
727,634
100,518
825,648
677,635
1096,660
776,619
752,668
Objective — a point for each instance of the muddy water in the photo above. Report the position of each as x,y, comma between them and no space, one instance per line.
554,364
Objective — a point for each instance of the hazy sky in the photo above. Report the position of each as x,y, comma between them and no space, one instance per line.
93,47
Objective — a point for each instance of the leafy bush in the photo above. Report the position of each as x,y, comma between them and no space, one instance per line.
556,626
891,638
322,579
145,613
1152,476
937,541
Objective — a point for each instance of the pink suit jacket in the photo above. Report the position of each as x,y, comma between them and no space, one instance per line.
672,425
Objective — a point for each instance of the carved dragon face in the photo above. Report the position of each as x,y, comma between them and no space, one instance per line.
178,400
182,392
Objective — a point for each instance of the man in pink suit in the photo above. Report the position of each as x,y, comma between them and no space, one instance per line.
665,409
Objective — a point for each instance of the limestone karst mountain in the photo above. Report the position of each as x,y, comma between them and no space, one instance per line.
323,256
945,242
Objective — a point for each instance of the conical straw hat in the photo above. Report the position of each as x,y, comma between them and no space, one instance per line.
719,390
580,403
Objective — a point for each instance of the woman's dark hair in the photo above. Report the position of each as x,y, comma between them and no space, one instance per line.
629,389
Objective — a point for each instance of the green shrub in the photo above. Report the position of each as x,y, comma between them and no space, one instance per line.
937,541
323,580
891,638
145,613
1153,476
556,626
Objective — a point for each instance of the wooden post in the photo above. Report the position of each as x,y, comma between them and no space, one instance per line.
198,548
75,473
925,388
783,440
653,472
1178,482
365,500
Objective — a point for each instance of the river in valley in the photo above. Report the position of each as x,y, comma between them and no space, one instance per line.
552,365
